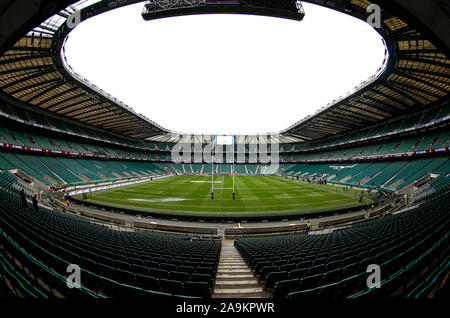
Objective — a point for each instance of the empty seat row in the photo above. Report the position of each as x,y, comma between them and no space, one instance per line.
392,241
58,239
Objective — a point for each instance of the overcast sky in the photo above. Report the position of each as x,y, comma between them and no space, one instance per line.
225,74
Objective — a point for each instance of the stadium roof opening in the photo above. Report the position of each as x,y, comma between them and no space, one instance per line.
225,74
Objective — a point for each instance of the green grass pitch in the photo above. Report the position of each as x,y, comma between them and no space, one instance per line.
255,196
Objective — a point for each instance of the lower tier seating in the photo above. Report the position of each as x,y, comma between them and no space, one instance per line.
335,264
113,263
389,175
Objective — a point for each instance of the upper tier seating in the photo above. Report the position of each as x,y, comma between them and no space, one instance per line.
22,139
397,125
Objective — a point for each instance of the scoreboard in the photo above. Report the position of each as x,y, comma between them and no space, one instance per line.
224,140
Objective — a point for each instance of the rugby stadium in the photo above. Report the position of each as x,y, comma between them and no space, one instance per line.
100,201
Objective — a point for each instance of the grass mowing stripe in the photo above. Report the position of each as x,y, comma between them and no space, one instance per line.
255,196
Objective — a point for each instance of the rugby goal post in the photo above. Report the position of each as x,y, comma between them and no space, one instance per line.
222,141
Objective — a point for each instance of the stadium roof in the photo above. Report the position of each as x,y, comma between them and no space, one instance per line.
415,77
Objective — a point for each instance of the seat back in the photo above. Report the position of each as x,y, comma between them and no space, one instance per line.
198,289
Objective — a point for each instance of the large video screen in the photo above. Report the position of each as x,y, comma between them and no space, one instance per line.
224,140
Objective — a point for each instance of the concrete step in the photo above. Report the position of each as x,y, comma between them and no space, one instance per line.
226,266
236,284
234,277
234,271
232,262
248,292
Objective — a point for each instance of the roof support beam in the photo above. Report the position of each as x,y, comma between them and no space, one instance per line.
67,106
417,51
414,78
390,86
20,89
52,87
23,79
381,112
25,58
359,114
82,105
57,95
405,70
112,121
424,61
344,117
329,123
85,110
64,100
380,103
416,90
100,115
324,124
32,49
398,101
28,68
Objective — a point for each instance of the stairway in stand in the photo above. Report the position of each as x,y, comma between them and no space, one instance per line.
234,278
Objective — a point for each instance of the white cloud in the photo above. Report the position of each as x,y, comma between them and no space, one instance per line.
225,73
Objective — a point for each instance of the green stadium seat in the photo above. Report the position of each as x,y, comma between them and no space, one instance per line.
197,289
